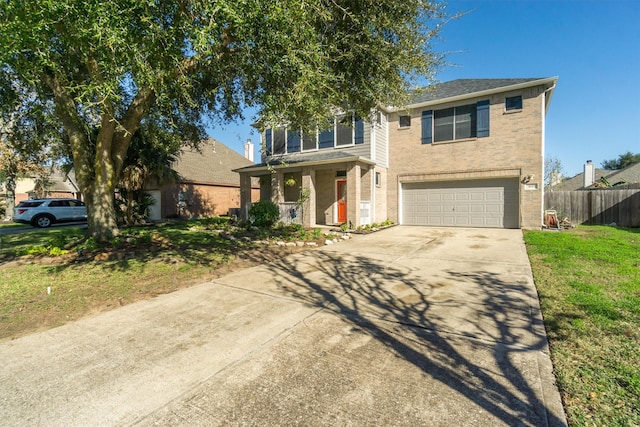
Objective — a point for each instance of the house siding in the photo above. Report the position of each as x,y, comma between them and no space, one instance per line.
381,144
513,149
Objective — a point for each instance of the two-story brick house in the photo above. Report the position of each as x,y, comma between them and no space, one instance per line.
463,153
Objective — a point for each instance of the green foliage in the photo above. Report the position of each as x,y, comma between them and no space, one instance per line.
216,222
98,72
317,233
623,160
56,251
133,207
91,244
35,250
264,213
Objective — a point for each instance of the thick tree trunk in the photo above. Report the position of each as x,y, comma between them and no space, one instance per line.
101,214
98,164
10,198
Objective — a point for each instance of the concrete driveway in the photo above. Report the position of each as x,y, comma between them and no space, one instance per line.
407,326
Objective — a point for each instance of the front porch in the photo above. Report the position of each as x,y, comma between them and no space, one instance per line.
327,193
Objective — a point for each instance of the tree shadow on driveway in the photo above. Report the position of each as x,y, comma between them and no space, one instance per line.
470,331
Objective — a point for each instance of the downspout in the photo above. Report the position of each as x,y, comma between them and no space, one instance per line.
544,143
373,141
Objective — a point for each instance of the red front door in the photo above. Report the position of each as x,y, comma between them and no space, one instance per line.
342,201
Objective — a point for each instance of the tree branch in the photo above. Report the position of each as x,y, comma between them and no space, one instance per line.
74,127
129,124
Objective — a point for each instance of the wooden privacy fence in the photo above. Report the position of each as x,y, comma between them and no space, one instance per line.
597,207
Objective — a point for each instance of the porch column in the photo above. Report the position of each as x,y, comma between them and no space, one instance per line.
245,195
354,188
309,192
277,186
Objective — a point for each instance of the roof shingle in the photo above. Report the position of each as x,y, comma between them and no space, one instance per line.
213,164
465,86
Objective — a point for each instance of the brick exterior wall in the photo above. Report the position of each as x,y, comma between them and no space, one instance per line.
513,149
202,200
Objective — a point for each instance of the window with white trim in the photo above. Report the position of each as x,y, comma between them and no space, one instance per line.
513,103
346,130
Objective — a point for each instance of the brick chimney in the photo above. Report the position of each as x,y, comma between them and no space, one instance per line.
589,175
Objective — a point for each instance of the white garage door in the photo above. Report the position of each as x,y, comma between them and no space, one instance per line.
478,203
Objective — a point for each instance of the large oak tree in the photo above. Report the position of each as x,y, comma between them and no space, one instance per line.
106,65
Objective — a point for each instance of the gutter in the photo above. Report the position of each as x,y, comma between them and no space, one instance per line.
547,81
286,165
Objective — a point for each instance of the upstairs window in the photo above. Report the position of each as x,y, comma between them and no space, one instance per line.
293,141
326,137
346,130
404,121
310,140
279,144
450,124
513,103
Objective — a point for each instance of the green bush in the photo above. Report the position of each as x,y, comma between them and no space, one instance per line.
264,213
35,250
56,251
317,233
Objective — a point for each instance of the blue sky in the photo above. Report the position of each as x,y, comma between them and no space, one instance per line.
593,46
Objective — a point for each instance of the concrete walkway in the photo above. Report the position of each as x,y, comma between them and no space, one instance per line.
408,326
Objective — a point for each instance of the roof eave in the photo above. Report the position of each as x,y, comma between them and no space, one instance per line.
304,163
548,82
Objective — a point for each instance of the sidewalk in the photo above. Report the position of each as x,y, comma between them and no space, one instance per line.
407,326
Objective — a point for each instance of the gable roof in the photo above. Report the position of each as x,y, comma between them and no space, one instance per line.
56,182
576,182
468,88
213,164
630,175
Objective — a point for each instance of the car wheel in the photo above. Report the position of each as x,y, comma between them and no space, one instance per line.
43,221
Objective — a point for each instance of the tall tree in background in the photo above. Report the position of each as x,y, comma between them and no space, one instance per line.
106,64
623,160
552,172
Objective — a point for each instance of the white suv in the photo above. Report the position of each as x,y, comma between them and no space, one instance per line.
44,212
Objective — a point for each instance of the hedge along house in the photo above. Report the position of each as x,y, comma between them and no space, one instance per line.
464,153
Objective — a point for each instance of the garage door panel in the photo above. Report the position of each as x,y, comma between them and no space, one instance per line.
476,203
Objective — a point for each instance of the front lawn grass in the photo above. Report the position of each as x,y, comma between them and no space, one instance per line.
588,280
47,279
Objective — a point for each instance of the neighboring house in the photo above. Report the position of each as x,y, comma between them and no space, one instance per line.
591,176
463,153
207,185
57,184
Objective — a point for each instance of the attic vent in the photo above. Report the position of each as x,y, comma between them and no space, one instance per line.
340,174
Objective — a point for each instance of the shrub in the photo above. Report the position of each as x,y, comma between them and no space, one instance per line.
264,213
56,251
317,233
